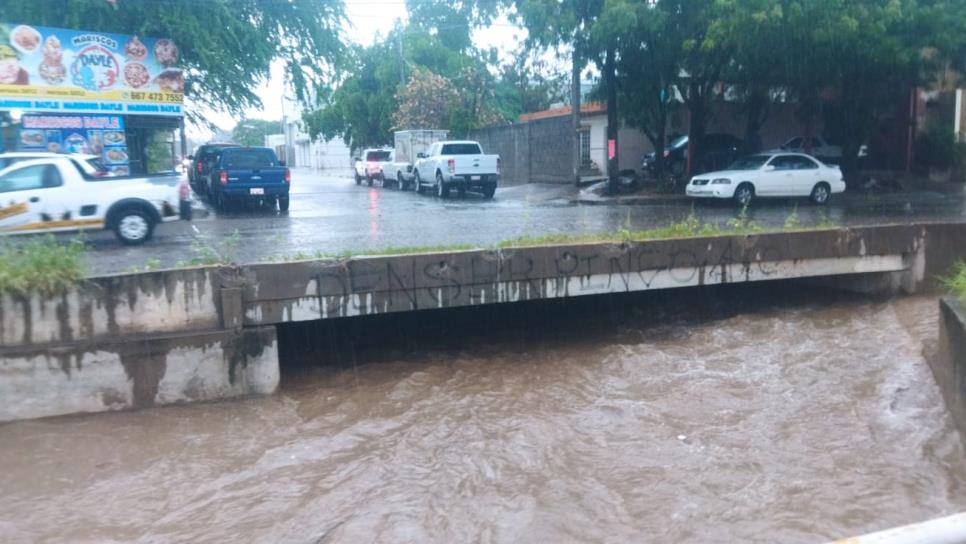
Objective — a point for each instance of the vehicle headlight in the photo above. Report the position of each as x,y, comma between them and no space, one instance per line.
721,181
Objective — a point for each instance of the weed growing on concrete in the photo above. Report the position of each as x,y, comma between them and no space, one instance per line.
744,224
824,221
41,265
955,282
149,265
792,222
224,251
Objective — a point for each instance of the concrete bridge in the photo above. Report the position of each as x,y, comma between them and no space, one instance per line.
172,336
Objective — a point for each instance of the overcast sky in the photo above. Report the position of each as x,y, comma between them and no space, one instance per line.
367,20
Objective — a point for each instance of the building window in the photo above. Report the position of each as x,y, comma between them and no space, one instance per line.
585,146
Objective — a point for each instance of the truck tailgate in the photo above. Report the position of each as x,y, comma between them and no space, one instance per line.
256,178
475,164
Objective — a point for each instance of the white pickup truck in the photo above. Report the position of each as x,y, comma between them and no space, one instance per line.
57,193
456,164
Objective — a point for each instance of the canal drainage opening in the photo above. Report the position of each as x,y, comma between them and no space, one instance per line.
346,343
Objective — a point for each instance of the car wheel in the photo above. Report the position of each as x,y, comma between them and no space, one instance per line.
369,180
358,179
400,183
744,194
417,183
283,203
489,191
820,194
133,226
442,191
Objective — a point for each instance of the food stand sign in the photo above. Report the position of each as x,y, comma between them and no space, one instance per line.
77,72
101,135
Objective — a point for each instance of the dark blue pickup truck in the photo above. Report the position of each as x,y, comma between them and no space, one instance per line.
252,174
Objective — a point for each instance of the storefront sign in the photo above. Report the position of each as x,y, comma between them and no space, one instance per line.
57,70
101,135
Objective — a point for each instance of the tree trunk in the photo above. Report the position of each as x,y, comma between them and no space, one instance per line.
610,74
575,113
697,125
757,113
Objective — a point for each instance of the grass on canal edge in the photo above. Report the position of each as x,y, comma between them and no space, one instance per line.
41,265
47,266
956,281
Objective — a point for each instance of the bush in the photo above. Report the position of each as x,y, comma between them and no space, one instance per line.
955,282
40,265
937,148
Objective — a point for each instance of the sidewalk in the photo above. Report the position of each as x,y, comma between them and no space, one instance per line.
595,194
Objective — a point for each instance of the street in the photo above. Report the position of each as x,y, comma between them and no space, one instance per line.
330,215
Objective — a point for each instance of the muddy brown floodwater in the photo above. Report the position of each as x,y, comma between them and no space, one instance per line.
779,424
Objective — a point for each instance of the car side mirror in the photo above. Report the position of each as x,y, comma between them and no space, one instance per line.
281,163
357,159
191,157
769,168
420,155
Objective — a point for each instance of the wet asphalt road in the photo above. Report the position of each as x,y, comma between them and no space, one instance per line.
331,214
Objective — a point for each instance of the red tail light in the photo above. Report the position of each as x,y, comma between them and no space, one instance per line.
452,166
198,167
499,166
288,176
223,177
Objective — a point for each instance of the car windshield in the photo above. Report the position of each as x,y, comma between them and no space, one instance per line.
753,162
461,149
248,159
377,156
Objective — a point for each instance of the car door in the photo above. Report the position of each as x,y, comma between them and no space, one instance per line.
423,164
33,198
779,179
807,174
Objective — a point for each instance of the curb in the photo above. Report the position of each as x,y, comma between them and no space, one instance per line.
630,200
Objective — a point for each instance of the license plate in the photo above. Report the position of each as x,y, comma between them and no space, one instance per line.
256,191
474,178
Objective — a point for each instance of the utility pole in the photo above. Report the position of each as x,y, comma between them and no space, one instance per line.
402,59
613,166
575,112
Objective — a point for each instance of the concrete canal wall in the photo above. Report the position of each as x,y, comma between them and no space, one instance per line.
949,367
182,335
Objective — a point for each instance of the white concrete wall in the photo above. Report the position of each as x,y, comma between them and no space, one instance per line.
138,373
151,302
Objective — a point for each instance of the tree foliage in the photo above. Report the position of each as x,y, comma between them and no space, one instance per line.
391,84
846,62
428,100
226,46
252,132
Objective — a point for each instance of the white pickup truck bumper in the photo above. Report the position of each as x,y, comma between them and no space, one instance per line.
473,180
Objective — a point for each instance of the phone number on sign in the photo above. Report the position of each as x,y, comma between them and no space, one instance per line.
157,97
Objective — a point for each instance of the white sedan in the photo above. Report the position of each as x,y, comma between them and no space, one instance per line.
767,175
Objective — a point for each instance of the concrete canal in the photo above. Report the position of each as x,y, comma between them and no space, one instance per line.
764,413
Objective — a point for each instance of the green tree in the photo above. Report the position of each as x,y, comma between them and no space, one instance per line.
452,20
361,109
648,67
553,23
226,46
527,84
252,132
